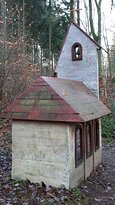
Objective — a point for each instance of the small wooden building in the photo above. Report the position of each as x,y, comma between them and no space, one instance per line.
55,132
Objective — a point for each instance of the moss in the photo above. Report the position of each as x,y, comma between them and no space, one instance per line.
27,103
8,137
48,104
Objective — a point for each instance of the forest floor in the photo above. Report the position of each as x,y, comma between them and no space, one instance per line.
98,189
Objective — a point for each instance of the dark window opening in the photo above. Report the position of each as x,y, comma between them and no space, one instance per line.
76,52
55,75
78,146
88,140
97,143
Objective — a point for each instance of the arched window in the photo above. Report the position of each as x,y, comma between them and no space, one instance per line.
78,146
55,75
88,140
97,143
76,52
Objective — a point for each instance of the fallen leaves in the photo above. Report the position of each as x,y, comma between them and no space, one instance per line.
18,192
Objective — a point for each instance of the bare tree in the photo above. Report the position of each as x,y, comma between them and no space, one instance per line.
96,36
72,9
78,12
86,17
16,68
3,47
50,36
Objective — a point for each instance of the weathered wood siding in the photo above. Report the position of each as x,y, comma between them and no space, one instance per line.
40,152
75,174
98,153
88,166
85,70
97,157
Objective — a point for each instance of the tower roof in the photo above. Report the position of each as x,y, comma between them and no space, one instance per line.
99,46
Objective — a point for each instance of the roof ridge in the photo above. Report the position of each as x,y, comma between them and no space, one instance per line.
75,24
100,47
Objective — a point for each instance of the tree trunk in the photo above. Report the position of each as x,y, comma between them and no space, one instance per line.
87,17
78,12
97,37
71,10
3,49
23,19
91,22
41,63
50,34
99,41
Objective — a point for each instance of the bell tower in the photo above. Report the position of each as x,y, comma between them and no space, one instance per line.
78,59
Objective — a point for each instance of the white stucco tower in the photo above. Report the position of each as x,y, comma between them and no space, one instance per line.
78,59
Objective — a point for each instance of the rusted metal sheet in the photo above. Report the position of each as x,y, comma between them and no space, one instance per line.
79,97
41,102
53,99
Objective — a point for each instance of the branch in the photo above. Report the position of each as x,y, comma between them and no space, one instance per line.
96,3
87,16
100,1
91,22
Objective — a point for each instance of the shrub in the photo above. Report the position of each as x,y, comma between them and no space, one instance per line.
8,137
108,125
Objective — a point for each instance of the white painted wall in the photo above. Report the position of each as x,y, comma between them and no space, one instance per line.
45,152
40,152
85,70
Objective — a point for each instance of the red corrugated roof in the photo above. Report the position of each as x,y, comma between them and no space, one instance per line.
54,99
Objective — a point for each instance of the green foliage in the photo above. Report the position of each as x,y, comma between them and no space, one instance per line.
76,193
78,196
47,203
1,122
20,182
112,56
113,80
108,126
37,14
8,137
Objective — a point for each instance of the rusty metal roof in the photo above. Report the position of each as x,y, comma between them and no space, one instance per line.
54,99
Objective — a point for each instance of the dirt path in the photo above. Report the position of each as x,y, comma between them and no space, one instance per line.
98,189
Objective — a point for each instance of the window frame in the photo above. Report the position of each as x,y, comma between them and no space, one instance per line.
97,134
74,58
88,155
78,162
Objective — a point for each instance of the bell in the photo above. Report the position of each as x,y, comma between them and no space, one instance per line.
77,51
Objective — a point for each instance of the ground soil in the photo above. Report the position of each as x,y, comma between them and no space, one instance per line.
98,189
100,186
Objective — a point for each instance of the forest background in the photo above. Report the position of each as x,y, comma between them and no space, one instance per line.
31,36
